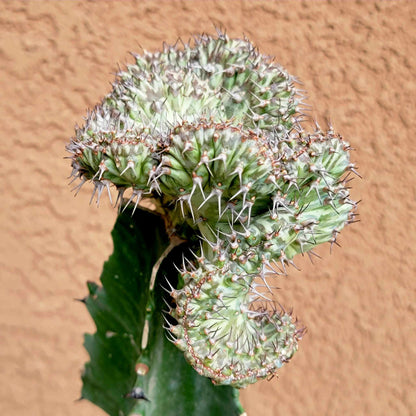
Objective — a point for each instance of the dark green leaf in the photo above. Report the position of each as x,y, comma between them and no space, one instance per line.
119,309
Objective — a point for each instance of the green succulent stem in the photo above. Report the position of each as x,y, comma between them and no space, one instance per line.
126,376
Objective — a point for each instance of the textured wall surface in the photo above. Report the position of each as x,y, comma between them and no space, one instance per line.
356,59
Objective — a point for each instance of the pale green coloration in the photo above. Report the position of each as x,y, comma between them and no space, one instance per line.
212,132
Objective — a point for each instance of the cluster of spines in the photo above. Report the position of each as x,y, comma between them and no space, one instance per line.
223,337
213,133
162,89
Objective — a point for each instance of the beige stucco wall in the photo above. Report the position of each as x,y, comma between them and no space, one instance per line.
357,60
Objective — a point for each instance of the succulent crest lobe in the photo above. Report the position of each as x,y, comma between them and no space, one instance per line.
212,131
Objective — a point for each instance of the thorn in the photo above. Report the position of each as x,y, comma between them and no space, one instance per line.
312,253
197,180
188,146
101,169
239,171
169,306
351,167
119,199
170,337
130,165
79,186
190,264
215,192
243,190
334,240
204,161
273,268
260,295
168,328
137,193
249,205
99,185
186,198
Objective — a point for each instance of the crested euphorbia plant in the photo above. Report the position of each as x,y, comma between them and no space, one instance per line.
212,134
